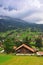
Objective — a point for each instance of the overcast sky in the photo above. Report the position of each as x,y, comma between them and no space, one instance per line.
28,10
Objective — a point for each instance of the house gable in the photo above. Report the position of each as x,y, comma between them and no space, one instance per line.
24,49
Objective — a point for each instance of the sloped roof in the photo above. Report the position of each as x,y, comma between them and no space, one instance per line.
14,47
40,53
24,45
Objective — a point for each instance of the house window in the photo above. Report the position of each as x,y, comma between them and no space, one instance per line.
18,51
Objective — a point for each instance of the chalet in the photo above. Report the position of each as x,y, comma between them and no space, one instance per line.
25,49
14,47
40,53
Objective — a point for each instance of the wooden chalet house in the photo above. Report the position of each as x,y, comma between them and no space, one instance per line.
25,49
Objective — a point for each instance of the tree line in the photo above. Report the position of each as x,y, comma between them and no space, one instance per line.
10,42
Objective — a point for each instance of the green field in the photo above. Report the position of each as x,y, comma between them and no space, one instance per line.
20,60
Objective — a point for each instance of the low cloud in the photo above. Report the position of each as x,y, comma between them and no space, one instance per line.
28,10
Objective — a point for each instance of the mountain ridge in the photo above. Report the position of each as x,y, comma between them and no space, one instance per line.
9,23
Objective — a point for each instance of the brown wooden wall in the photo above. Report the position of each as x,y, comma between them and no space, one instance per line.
24,50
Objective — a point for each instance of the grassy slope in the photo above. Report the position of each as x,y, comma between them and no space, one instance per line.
4,58
20,60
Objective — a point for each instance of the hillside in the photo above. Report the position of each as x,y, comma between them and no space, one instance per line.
7,23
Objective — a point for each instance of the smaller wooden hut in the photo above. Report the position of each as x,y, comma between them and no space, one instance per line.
40,53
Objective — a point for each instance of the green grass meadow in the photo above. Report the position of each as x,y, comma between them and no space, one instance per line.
20,60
